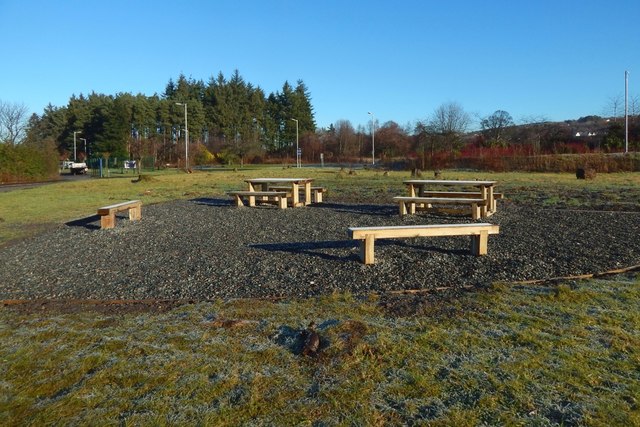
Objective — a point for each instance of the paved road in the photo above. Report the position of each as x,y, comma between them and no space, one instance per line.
63,177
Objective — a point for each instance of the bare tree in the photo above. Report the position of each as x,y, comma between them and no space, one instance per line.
13,122
634,107
450,121
613,107
346,137
495,126
450,118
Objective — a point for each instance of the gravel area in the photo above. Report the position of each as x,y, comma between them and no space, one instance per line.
206,248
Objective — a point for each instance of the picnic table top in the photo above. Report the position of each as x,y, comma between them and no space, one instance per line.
449,182
272,180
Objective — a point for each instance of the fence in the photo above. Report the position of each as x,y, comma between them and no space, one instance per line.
106,167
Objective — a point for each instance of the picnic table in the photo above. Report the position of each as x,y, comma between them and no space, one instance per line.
263,184
429,188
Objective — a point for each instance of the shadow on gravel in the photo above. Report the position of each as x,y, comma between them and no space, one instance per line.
377,210
314,248
309,248
212,202
88,222
418,247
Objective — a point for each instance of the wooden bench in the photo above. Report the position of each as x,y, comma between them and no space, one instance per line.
279,197
408,204
316,192
367,235
108,213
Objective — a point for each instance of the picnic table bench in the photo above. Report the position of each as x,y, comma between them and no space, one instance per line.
316,192
483,190
408,204
479,233
295,187
108,213
280,197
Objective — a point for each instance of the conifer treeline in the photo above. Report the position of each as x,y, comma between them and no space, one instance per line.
229,117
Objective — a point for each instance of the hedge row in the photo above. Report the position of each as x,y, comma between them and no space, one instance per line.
22,163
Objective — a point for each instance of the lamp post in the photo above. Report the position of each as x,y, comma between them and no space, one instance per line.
373,138
85,147
626,112
297,149
74,143
186,137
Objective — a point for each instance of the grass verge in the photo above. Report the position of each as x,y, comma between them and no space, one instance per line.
566,354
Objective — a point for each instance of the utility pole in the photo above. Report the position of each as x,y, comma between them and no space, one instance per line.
373,139
74,143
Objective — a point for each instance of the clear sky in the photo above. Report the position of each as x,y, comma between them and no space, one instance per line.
551,59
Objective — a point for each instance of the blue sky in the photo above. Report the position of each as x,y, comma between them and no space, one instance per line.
400,60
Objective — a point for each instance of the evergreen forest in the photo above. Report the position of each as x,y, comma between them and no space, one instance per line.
230,121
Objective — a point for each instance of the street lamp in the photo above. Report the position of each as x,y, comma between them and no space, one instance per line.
186,137
297,149
74,143
373,138
85,147
626,112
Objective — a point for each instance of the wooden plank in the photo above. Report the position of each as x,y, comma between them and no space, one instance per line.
432,230
256,193
450,182
452,194
106,210
439,200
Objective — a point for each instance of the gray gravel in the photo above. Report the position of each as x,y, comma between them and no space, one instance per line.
204,249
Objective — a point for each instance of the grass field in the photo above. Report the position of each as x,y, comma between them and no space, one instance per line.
28,211
561,354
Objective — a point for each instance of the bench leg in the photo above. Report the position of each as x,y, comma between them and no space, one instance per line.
475,211
252,201
317,196
366,250
479,243
307,193
135,213
108,221
238,200
282,202
403,208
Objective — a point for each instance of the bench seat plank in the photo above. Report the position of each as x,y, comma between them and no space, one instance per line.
458,194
